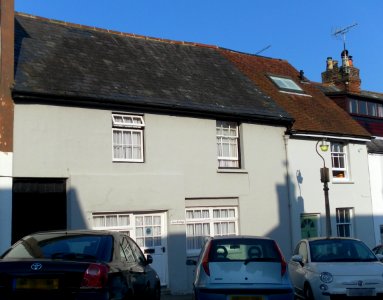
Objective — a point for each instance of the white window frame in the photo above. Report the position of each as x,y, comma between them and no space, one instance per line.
128,222
339,162
122,222
129,126
227,144
286,84
206,218
344,221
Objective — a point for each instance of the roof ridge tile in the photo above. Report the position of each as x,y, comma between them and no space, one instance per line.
115,32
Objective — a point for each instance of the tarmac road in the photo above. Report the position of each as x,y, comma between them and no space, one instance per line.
176,297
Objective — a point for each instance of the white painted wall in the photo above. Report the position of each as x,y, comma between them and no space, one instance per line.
180,163
307,195
376,177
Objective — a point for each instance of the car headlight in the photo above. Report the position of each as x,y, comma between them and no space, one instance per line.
326,277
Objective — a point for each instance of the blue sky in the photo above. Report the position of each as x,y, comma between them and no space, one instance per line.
299,31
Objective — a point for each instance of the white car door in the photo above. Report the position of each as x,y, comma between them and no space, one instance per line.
297,271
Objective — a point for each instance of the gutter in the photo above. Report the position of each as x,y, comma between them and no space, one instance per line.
154,105
327,136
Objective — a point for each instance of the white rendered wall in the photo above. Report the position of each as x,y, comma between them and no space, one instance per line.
376,178
307,193
180,163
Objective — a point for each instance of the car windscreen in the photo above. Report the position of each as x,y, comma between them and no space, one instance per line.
244,250
77,247
340,250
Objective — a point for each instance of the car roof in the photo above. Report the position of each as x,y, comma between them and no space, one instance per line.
329,238
239,237
76,231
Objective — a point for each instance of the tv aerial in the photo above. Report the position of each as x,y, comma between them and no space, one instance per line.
263,49
343,31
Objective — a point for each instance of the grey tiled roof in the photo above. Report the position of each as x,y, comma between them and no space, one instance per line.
375,146
56,60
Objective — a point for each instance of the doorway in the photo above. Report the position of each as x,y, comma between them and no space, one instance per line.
38,204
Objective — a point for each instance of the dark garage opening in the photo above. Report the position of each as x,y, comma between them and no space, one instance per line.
38,204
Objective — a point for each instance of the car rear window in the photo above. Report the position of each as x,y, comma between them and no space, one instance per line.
243,250
89,247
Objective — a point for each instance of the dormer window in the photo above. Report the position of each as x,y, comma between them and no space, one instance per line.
365,108
286,84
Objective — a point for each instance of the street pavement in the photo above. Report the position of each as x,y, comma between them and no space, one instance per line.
176,297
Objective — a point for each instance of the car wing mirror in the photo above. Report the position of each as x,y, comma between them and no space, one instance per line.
380,257
149,259
298,258
191,262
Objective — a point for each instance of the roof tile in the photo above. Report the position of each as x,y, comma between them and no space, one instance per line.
313,112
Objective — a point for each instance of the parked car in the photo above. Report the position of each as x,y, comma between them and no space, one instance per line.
378,249
335,268
241,267
77,264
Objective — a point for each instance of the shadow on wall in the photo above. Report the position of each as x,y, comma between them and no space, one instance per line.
40,204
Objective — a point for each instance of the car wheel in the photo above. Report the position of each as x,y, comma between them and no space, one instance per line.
157,293
308,293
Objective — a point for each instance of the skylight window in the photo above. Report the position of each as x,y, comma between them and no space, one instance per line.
286,84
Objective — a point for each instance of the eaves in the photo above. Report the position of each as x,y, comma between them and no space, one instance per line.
330,136
158,106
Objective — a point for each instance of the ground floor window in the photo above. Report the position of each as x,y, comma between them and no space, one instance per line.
146,230
208,221
310,225
118,222
344,217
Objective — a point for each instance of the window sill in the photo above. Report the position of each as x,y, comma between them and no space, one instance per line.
334,181
241,171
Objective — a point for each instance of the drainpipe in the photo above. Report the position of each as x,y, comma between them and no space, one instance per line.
288,182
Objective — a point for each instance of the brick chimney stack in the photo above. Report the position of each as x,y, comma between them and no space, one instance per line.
346,77
7,39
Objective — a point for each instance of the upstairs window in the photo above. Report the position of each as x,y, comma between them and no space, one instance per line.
286,84
128,138
365,108
339,161
227,144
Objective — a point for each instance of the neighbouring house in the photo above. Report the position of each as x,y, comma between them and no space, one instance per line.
317,120
166,141
342,83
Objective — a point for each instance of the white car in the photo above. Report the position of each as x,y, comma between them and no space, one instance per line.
335,268
241,268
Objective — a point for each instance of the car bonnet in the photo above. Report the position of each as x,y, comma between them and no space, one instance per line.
349,268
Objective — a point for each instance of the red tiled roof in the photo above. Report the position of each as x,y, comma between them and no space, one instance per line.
313,113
